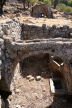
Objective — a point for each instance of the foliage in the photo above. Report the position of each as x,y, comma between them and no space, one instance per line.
64,8
33,1
70,3
64,1
28,2
68,9
46,1
52,2
55,3
67,2
61,7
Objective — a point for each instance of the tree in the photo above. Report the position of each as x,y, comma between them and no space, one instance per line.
2,2
24,2
33,1
48,2
55,3
28,2
64,1
70,3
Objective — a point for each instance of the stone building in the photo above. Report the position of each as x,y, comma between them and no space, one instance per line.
41,10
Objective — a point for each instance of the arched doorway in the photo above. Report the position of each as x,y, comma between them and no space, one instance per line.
32,82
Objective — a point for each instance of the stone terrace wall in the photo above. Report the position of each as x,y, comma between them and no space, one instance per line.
13,28
33,31
10,27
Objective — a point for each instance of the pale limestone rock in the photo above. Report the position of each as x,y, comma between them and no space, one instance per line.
71,34
18,106
31,78
38,78
36,95
10,98
44,90
17,90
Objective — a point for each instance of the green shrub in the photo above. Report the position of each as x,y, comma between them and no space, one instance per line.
63,1
61,7
64,8
68,9
70,3
46,1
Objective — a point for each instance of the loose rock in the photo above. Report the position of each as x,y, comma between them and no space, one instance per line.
31,79
29,76
18,106
38,78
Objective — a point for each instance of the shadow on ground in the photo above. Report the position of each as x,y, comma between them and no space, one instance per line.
61,102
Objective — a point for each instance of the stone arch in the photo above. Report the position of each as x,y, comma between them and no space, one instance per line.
21,50
56,72
39,59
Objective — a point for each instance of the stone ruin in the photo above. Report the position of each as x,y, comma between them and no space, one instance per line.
41,10
19,41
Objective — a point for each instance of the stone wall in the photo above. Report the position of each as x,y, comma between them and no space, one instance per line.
14,49
41,10
8,69
11,28
64,70
67,76
19,50
35,31
3,65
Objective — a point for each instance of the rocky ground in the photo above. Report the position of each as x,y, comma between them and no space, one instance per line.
31,87
16,10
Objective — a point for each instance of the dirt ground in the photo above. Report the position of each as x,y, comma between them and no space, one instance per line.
16,10
34,93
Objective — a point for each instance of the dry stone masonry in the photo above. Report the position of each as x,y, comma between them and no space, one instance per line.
57,48
19,41
10,27
41,10
43,31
